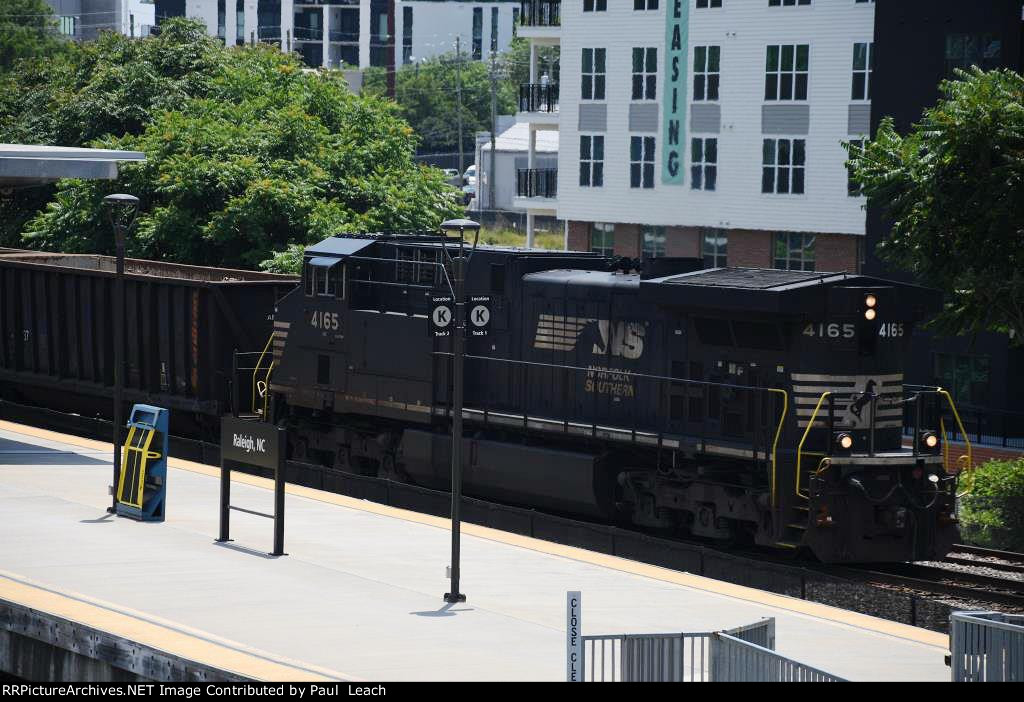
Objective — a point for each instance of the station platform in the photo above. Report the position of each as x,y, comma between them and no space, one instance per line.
359,597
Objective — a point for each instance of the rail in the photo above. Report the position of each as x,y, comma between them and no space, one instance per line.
256,370
755,410
646,657
538,97
537,182
540,13
736,660
986,647
969,467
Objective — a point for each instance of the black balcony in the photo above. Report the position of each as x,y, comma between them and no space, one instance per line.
537,182
540,13
538,97
309,34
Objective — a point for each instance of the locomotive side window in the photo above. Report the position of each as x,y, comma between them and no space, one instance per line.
324,278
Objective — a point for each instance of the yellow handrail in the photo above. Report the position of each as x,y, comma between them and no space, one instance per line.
252,401
800,448
778,432
969,467
266,390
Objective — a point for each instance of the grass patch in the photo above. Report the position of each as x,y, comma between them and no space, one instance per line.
513,237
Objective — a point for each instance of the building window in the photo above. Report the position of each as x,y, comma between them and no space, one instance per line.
602,238
515,22
787,3
966,377
595,5
641,162
221,18
494,30
478,33
852,186
645,74
706,61
786,72
593,76
863,67
406,34
591,161
653,244
240,22
645,4
714,247
708,3
783,166
703,163
67,26
794,251
966,50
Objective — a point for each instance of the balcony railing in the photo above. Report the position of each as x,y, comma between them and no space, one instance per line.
308,34
344,36
540,13
538,97
537,182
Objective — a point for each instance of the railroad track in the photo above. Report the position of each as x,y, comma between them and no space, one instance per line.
1006,561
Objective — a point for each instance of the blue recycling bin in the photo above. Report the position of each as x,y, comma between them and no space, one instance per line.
142,483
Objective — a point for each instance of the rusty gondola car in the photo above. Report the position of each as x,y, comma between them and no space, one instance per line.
182,326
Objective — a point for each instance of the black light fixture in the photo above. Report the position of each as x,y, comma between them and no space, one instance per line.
458,358
122,211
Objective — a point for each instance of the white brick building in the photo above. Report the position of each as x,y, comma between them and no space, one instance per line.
357,33
727,147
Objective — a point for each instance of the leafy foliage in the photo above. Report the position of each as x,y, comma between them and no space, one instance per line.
426,94
954,191
28,29
992,515
247,154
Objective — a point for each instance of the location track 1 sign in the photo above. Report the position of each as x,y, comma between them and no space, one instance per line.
479,315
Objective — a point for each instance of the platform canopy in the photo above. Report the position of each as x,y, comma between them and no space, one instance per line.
28,164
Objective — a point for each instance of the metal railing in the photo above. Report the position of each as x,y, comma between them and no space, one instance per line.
537,182
985,427
646,658
986,647
540,13
538,97
736,660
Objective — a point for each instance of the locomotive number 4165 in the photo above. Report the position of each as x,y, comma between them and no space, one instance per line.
825,330
327,321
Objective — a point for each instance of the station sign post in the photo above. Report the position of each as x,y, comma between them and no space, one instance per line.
253,444
573,637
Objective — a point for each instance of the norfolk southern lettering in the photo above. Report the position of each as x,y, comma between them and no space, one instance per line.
249,444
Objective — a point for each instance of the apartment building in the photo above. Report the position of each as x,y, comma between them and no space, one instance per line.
83,20
357,33
706,128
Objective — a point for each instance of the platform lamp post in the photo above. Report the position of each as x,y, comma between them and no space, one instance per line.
122,210
458,358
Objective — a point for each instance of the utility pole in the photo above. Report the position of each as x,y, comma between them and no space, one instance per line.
494,129
458,93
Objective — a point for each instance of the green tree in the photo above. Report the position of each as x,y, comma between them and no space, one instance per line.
426,94
992,513
953,189
251,155
28,29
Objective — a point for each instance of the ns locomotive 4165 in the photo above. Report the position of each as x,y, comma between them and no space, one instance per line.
761,406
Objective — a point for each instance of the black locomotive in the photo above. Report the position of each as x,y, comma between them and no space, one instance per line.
759,406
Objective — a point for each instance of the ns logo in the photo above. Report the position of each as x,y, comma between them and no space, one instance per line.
617,339
620,339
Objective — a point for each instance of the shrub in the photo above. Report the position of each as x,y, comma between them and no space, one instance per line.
992,514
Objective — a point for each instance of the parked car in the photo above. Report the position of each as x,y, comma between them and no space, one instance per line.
469,177
452,177
469,192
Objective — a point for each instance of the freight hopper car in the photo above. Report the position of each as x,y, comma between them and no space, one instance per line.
754,406
182,327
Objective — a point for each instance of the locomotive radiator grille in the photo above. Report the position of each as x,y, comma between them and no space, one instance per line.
851,411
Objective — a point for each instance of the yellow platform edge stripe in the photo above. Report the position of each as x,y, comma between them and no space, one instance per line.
741,592
162,635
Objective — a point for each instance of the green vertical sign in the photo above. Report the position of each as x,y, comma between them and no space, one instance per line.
673,138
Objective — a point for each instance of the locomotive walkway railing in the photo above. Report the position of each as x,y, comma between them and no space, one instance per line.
579,413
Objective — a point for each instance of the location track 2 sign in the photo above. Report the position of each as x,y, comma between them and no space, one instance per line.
442,315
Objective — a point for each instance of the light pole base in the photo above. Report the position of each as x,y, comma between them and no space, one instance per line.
454,598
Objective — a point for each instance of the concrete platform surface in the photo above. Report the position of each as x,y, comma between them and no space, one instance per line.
359,595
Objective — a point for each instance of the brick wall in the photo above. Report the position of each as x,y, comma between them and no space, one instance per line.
749,248
579,236
837,252
627,240
682,241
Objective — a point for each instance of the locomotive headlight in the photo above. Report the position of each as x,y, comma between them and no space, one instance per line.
870,300
844,441
929,441
933,478
870,314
